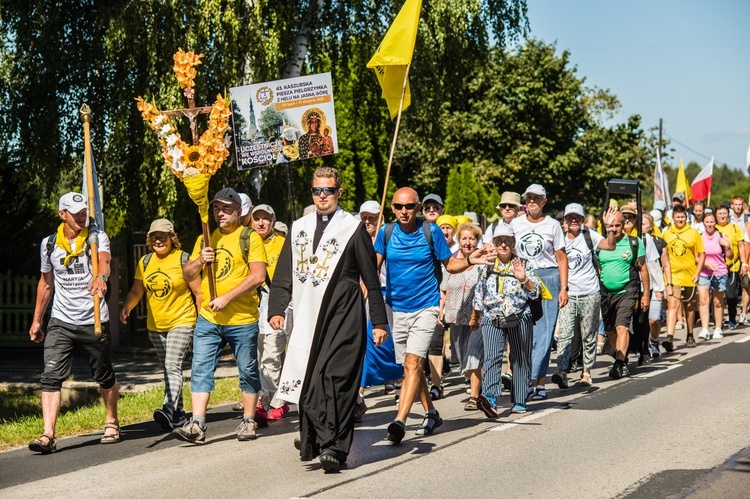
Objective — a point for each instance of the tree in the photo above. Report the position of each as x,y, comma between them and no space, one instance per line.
463,192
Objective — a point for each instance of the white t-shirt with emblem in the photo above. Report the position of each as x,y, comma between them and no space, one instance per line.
72,302
582,278
537,242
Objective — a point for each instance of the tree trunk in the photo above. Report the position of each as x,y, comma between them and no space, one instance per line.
294,64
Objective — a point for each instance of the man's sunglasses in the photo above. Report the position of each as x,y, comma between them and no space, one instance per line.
430,207
408,206
329,191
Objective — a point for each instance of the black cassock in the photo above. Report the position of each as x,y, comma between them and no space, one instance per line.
329,392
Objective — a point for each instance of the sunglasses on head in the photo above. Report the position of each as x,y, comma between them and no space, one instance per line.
506,206
408,206
329,191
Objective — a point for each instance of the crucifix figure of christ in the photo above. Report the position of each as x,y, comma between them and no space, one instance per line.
191,113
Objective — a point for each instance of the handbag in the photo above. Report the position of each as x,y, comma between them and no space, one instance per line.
507,321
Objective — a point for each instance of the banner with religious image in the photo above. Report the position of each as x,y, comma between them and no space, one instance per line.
284,120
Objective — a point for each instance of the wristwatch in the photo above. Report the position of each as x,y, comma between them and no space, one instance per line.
566,289
103,277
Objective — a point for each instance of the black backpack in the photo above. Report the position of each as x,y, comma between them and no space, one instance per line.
428,235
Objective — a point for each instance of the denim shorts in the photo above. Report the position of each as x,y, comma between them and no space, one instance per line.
207,339
717,282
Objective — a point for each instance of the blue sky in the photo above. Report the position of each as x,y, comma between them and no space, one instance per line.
687,62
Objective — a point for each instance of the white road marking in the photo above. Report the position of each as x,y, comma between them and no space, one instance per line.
655,373
743,340
526,419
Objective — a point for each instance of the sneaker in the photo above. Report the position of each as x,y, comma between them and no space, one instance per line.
396,431
616,371
743,320
277,413
655,353
179,419
561,378
487,405
718,333
161,417
507,380
429,423
732,325
599,348
190,432
705,334
246,430
261,416
238,407
668,344
679,325
518,409
690,341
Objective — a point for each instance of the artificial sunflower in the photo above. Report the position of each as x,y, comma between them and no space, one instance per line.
193,157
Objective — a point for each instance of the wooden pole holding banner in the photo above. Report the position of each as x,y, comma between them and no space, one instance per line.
393,147
93,237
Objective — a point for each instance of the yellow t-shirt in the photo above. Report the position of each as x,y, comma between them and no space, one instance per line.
230,269
273,245
734,236
682,247
168,297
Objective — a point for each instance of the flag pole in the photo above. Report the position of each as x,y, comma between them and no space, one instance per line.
393,147
93,237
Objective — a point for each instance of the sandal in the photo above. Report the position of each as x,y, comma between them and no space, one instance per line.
539,394
111,439
37,445
436,392
586,379
429,423
471,405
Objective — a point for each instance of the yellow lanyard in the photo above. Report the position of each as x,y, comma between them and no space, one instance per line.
501,284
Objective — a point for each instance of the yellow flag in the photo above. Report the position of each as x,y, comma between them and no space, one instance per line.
683,185
395,53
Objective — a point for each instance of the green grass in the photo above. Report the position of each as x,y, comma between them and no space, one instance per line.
21,415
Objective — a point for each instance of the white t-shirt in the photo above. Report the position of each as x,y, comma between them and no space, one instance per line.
740,222
537,242
582,278
72,302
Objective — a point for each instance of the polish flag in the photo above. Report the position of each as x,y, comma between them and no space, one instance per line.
701,186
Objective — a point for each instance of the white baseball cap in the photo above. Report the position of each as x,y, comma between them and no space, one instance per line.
574,209
369,207
247,204
535,189
503,229
72,202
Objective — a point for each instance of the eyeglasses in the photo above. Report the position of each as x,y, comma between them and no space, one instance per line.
408,206
430,207
153,238
507,241
329,191
629,217
506,206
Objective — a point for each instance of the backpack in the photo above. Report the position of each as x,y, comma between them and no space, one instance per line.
660,245
147,258
245,250
594,257
428,235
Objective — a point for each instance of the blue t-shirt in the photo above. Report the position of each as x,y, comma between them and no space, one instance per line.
411,281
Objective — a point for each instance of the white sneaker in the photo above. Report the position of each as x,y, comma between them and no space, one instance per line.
718,333
705,334
743,320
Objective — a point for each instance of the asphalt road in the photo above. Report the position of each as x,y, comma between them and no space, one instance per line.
676,428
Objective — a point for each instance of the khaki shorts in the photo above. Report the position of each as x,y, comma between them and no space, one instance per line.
412,332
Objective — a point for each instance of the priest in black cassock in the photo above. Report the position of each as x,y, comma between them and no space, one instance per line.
323,259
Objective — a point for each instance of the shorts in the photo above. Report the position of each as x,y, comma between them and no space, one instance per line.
717,282
413,331
438,339
617,310
63,340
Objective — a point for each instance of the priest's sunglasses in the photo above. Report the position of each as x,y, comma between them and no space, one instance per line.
408,206
328,191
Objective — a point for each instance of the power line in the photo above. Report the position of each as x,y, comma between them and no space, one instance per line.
716,161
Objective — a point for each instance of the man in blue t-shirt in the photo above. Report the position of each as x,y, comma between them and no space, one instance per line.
414,295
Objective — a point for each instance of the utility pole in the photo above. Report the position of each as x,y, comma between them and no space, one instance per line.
661,125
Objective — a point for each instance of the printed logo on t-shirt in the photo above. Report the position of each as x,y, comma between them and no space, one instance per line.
531,245
575,258
678,248
74,267
160,284
224,260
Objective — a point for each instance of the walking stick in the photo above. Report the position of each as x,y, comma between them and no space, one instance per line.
93,235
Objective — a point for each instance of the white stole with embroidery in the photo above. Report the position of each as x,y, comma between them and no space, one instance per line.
311,275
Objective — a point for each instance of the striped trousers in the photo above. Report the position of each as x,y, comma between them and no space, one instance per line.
520,339
171,349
